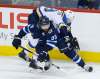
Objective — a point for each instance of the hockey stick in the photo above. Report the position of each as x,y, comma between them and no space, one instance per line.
36,55
27,50
56,66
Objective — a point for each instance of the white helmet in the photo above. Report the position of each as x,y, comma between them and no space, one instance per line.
70,15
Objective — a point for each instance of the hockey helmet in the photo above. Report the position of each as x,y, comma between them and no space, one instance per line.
44,22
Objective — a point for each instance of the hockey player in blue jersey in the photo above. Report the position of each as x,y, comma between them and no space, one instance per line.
33,18
48,34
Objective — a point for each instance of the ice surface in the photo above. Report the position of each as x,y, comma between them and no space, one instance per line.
16,68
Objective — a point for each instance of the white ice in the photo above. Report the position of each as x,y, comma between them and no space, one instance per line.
16,68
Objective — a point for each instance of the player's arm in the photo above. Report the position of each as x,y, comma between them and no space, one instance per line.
66,32
31,18
17,38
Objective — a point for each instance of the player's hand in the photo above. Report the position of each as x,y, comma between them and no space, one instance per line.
75,43
16,42
43,56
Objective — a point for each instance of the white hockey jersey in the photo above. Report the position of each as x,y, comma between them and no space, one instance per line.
53,15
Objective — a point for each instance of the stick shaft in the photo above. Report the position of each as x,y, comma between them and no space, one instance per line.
28,50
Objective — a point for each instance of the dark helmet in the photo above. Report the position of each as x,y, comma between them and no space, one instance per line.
44,20
44,23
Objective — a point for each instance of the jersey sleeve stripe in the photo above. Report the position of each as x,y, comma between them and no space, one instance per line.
26,29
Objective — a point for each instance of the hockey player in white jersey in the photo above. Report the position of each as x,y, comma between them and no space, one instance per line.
53,14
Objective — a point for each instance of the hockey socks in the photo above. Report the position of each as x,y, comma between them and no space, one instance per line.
79,61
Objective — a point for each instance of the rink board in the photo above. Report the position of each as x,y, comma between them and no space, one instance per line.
16,18
54,54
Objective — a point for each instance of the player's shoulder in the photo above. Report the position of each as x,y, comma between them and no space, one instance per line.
47,9
32,14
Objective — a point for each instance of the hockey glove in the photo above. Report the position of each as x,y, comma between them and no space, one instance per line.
43,57
16,42
75,43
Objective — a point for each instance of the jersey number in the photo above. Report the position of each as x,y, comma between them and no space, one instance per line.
54,37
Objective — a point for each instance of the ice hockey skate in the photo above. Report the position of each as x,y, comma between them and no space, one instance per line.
24,56
88,68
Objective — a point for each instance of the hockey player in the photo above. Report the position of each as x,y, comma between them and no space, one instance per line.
58,17
33,19
48,34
